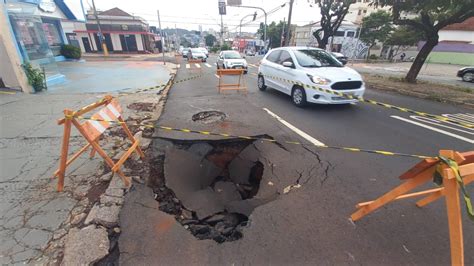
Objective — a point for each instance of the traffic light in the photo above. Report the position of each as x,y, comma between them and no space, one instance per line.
254,16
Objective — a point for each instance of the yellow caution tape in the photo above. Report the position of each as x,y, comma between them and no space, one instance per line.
361,99
208,133
159,86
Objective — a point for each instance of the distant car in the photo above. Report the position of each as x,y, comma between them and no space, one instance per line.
197,54
283,67
231,60
342,58
466,73
250,53
205,51
184,52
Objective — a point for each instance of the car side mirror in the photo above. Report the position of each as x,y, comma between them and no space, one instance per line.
288,64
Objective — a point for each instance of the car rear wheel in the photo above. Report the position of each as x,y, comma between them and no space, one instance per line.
468,77
261,83
298,96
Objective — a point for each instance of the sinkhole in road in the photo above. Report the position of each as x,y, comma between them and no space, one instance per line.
208,117
211,187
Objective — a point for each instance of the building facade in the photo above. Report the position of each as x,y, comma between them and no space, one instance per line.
345,40
123,33
39,28
456,44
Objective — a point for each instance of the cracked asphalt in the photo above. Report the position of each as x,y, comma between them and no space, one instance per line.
32,213
309,224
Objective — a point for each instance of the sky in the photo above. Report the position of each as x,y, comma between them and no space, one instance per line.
189,14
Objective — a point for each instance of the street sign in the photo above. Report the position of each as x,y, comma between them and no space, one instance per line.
222,10
234,2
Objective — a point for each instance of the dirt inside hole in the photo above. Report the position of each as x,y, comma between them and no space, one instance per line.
210,186
208,117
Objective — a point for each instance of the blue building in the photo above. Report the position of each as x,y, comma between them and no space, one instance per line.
40,28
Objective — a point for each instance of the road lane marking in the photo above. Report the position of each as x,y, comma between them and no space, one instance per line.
198,65
178,66
438,123
459,117
255,74
208,65
434,129
253,65
216,76
188,65
298,131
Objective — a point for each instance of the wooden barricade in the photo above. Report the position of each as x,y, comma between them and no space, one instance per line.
92,130
419,175
239,86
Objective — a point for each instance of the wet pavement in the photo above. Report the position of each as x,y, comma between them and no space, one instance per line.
307,223
109,76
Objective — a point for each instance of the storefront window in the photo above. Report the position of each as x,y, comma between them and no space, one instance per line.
53,35
34,36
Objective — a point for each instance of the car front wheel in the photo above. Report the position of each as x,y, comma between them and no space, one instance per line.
468,77
261,83
298,96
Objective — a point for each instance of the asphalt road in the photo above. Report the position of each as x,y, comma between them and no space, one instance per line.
310,225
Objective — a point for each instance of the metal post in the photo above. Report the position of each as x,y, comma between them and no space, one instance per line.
161,37
222,31
288,28
101,37
264,12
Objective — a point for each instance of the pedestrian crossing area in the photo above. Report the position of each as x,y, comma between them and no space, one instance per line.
205,65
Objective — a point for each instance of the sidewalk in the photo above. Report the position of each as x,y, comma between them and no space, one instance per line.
35,218
434,73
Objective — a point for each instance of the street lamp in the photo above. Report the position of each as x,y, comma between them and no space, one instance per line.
240,24
264,12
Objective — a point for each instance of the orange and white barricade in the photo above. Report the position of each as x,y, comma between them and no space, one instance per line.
239,86
454,172
92,129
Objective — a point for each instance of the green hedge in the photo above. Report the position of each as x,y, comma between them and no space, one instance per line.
70,51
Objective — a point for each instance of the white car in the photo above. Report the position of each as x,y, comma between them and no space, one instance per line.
281,68
205,51
197,54
231,60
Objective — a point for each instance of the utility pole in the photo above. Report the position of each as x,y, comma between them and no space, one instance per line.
177,40
282,35
161,37
288,28
222,31
101,37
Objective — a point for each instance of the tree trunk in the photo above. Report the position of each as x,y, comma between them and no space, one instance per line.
324,42
420,59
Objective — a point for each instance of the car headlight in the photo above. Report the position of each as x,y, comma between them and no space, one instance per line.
319,80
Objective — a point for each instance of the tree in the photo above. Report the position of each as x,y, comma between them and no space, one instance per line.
375,28
429,17
210,40
332,15
403,37
274,33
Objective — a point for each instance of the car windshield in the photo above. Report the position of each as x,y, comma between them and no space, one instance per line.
196,50
316,58
232,56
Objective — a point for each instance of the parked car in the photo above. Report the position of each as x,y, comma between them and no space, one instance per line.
197,54
231,60
342,58
250,52
205,51
308,66
184,52
466,73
